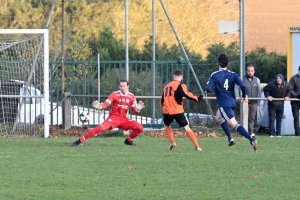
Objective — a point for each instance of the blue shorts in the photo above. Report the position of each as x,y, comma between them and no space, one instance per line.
227,112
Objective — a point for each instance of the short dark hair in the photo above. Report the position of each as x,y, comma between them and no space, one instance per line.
223,60
124,81
251,65
178,72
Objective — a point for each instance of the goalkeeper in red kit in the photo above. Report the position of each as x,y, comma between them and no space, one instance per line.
121,101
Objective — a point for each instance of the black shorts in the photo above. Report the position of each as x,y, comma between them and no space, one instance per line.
179,118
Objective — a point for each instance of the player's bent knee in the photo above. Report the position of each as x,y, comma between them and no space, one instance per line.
187,128
140,127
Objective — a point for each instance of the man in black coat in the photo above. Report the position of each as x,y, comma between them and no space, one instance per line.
278,88
295,93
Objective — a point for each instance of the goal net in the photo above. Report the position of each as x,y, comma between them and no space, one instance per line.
24,82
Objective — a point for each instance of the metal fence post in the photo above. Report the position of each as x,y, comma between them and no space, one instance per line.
153,68
242,49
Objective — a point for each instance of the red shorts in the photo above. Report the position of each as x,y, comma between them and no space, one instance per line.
119,122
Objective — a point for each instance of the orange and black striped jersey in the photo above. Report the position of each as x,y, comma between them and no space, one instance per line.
172,97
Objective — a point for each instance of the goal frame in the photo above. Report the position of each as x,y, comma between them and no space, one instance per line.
45,34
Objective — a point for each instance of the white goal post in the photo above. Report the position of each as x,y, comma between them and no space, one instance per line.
18,61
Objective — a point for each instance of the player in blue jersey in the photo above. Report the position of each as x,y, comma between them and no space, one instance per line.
224,82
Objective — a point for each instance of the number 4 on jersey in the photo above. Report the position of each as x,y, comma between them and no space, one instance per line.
226,86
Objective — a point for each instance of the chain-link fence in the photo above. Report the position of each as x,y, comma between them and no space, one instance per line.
199,26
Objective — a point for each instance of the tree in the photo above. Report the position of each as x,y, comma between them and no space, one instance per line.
267,65
110,48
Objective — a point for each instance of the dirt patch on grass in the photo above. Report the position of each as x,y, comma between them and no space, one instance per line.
78,131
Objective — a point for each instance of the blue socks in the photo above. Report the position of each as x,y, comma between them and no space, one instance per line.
226,129
239,128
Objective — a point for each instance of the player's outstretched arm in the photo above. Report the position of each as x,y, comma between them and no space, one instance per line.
210,83
183,92
162,100
240,83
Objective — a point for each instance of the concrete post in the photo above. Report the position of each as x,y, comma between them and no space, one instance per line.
245,115
66,111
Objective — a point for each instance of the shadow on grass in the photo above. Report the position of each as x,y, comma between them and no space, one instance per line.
111,134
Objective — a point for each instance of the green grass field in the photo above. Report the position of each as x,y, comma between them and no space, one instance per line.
105,168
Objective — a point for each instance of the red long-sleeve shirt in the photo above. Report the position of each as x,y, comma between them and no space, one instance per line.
120,103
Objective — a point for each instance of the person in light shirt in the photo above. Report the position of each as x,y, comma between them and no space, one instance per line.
253,89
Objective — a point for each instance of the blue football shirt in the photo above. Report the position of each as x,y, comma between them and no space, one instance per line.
224,82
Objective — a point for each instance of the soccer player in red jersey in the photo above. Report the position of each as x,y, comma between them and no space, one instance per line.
121,101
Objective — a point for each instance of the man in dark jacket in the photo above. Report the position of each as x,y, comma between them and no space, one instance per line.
295,93
278,88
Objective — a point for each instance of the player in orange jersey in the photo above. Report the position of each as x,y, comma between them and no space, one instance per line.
121,101
172,102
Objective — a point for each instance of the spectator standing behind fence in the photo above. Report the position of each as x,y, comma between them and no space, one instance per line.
295,93
278,88
253,90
